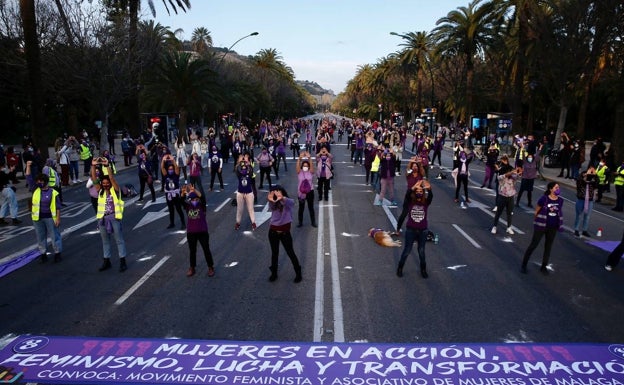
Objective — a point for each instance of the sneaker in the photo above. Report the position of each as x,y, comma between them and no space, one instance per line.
576,233
608,268
190,272
211,272
510,231
377,203
253,226
236,226
495,208
493,230
586,234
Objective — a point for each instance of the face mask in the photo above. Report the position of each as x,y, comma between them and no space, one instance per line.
194,203
40,184
388,157
170,172
530,160
305,168
418,195
323,158
557,191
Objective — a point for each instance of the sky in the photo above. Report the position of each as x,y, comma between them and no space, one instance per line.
324,41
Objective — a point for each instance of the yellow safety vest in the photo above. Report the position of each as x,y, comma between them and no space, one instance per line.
117,202
375,164
619,177
36,204
601,172
51,177
85,152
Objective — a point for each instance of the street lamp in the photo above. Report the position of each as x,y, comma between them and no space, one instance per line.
236,42
380,109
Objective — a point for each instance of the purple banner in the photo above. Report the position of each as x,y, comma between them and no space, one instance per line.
68,360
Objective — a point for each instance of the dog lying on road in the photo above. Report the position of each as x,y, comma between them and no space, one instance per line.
383,238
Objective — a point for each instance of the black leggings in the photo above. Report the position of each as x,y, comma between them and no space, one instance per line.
275,237
177,203
204,241
142,182
537,237
309,199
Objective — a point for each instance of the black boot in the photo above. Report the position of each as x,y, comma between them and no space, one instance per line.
423,270
273,276
106,264
43,258
298,277
122,265
400,271
57,257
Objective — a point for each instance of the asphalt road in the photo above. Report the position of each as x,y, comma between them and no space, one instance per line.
474,293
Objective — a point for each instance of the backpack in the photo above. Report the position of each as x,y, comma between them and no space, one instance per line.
305,187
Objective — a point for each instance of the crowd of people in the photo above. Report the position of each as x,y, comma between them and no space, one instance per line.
262,152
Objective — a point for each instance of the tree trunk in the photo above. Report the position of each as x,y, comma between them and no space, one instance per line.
582,114
33,63
563,113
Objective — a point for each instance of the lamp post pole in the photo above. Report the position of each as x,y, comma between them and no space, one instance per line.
228,51
232,46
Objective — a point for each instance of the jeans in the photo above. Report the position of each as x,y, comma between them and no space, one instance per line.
106,239
9,203
411,235
580,208
74,170
45,227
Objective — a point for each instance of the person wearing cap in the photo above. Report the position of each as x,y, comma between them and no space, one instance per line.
196,229
281,206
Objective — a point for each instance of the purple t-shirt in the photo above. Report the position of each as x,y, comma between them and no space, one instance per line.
196,218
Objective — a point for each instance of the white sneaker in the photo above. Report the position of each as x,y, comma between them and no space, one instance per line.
510,231
493,230
495,208
608,268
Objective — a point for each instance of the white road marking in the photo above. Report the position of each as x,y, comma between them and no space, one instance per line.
141,281
336,292
319,290
222,204
462,232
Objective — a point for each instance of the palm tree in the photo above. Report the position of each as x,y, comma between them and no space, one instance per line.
133,7
416,54
201,40
466,31
181,84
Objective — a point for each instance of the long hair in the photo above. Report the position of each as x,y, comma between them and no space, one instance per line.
549,187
